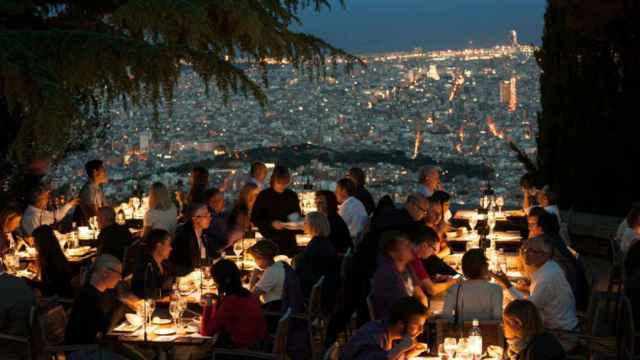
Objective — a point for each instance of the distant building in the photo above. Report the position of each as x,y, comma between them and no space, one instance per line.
514,39
509,93
145,141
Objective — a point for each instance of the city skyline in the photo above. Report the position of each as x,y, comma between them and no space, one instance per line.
372,26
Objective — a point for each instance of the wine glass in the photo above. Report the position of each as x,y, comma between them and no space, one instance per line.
183,286
473,221
450,346
502,261
175,311
491,221
238,249
500,203
151,306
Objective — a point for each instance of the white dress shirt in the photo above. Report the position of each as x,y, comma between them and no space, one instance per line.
34,217
626,236
552,295
354,215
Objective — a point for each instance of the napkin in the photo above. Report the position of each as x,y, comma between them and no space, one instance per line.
134,319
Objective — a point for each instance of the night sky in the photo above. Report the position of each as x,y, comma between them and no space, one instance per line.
368,26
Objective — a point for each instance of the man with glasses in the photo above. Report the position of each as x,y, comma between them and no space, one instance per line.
549,289
426,244
191,246
94,307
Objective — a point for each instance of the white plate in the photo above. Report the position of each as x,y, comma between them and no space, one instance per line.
159,321
167,331
191,329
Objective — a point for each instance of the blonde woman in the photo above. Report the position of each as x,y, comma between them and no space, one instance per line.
162,213
319,258
525,333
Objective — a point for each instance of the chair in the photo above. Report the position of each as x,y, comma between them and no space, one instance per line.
626,333
130,255
22,342
333,353
491,331
314,317
52,324
372,313
279,349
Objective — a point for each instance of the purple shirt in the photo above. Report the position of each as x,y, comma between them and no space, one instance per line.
370,342
389,286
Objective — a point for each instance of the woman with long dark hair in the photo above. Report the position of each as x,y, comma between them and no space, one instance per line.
55,270
236,317
327,203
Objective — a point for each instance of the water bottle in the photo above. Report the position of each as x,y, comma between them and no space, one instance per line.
475,340
74,237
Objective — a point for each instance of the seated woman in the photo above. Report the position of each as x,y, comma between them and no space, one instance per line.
236,317
476,297
162,213
270,284
55,270
238,224
525,334
152,274
339,235
318,259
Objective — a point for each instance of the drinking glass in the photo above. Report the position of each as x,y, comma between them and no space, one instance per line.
450,346
151,306
174,310
473,221
500,203
238,248
491,221
502,261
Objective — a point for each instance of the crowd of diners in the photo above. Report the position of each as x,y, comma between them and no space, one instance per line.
395,264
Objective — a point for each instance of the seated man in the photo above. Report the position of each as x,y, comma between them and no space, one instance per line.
475,297
393,278
93,307
425,244
549,289
375,339
15,308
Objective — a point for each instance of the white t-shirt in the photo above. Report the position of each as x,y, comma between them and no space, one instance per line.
162,219
354,215
478,299
272,282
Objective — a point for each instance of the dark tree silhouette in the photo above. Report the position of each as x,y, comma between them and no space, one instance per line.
63,61
588,148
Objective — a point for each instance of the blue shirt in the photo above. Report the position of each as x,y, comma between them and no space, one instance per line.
370,342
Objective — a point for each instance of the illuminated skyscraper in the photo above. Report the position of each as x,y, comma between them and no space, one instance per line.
513,94
505,92
514,38
509,93
145,141
418,144
433,72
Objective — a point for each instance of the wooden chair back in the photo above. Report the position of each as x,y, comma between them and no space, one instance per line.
52,324
280,341
333,353
372,312
314,309
492,333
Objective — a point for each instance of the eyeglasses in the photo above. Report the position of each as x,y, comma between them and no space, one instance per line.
115,271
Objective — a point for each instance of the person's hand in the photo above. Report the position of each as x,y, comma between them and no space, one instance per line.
405,344
180,197
502,279
417,349
278,225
